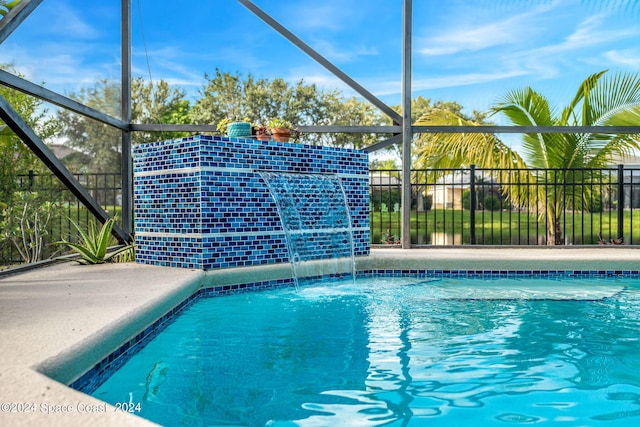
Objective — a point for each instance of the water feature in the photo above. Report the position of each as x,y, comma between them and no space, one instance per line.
200,201
315,217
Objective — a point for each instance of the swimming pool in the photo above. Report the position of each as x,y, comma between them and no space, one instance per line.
395,351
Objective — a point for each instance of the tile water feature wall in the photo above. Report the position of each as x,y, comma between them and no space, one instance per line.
199,202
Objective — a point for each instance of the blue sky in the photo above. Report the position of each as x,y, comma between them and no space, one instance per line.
469,51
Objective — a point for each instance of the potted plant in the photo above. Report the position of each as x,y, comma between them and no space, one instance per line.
234,128
280,129
261,132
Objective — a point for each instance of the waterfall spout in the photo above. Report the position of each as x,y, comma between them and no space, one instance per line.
315,218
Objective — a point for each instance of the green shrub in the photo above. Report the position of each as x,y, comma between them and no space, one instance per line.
24,223
492,203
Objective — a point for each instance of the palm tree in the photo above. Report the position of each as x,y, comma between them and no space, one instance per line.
601,100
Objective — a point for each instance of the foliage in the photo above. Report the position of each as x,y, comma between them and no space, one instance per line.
389,238
151,103
127,255
466,200
381,164
101,142
21,159
24,223
278,123
422,107
230,95
94,243
260,129
158,103
223,125
352,112
7,5
492,203
599,101
224,95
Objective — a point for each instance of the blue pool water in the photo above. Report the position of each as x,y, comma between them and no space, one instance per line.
396,351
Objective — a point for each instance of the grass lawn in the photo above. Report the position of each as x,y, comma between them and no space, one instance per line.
502,227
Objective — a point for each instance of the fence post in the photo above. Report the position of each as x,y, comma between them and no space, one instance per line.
620,201
472,205
32,177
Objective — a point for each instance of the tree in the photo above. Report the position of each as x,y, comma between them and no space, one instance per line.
157,103
221,97
101,142
16,157
601,100
422,108
351,112
24,215
228,95
151,103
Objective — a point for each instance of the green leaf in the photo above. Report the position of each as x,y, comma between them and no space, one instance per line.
118,252
94,244
104,237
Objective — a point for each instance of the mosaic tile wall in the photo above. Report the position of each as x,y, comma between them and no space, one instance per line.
199,202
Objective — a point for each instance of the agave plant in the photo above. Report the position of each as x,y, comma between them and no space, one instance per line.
94,243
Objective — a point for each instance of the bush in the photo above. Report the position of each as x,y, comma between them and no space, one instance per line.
24,223
595,205
492,203
466,200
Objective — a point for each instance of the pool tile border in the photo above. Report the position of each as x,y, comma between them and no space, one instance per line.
95,376
491,274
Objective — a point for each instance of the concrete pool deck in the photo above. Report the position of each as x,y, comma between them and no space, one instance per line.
62,319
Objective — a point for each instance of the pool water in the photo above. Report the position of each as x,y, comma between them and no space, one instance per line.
396,351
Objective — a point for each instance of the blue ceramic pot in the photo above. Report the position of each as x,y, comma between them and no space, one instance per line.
239,129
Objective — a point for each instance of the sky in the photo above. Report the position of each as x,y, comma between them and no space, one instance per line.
472,52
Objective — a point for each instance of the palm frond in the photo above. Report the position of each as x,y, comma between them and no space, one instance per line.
582,96
615,101
526,107
448,151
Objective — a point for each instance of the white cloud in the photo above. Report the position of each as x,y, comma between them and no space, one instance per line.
458,80
580,47
315,17
454,37
591,32
314,74
59,71
65,20
169,64
628,58
342,52
470,39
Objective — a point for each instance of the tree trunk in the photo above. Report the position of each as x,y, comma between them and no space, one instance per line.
554,229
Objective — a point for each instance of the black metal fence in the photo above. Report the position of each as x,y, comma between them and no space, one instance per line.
509,207
449,207
104,187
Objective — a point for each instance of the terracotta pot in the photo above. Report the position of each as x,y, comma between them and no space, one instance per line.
281,135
